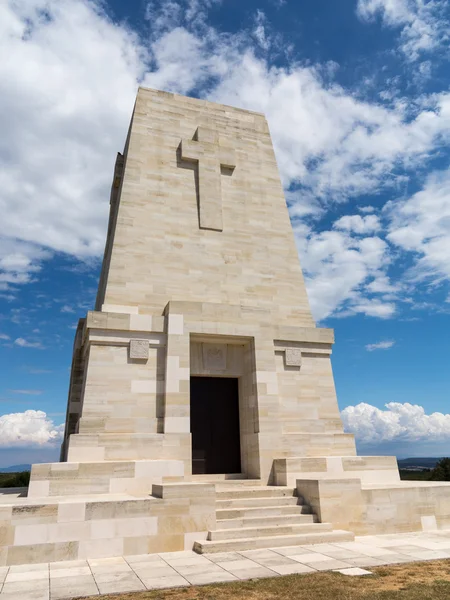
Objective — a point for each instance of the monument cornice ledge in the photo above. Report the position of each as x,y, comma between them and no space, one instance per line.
318,335
124,322
107,337
196,102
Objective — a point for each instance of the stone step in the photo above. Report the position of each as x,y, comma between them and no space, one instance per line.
263,511
229,493
228,480
266,521
254,502
277,530
239,544
236,483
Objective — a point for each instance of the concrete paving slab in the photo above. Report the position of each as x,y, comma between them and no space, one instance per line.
103,562
23,588
328,565
71,572
204,579
292,569
217,557
68,564
242,563
193,559
365,561
354,572
32,575
254,573
114,568
71,587
157,571
394,559
31,595
28,568
199,569
144,558
128,583
311,557
165,582
73,592
290,550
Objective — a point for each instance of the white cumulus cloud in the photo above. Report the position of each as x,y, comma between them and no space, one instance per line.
341,270
66,96
397,423
29,428
421,225
358,224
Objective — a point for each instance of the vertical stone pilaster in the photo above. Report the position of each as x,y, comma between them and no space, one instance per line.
177,383
267,404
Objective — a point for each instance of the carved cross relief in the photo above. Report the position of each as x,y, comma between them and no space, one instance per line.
211,155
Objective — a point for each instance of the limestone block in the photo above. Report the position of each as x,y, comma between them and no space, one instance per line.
39,553
71,511
400,507
102,548
119,308
38,489
367,469
6,533
184,490
141,322
336,501
34,514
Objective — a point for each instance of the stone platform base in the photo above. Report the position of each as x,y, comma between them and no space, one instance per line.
36,530
341,497
398,507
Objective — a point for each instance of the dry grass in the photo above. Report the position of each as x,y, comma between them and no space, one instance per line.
412,581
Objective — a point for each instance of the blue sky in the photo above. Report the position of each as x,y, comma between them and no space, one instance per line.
357,99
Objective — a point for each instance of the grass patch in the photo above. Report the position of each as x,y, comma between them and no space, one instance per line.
412,581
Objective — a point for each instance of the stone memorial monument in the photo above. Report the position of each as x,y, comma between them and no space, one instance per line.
202,410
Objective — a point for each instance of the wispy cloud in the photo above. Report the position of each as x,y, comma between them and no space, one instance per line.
23,343
380,345
27,392
67,309
423,24
3,336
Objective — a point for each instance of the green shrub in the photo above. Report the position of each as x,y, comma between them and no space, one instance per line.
10,480
441,471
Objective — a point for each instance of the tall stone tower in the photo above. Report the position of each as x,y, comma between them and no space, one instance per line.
201,368
202,346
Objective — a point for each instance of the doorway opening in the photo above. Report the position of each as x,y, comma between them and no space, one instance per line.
215,430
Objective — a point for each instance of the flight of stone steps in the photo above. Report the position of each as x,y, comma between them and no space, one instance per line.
255,516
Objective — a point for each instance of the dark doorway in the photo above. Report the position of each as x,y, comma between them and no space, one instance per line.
215,432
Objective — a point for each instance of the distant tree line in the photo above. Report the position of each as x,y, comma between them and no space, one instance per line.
441,472
11,480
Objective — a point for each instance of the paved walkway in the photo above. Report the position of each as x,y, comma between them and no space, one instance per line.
92,577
